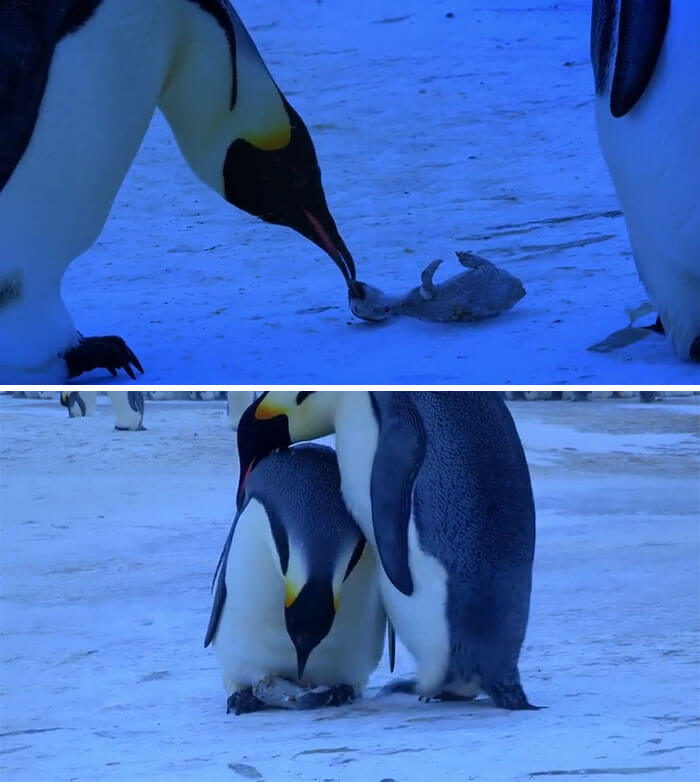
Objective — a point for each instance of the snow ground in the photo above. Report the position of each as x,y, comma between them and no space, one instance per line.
435,133
109,541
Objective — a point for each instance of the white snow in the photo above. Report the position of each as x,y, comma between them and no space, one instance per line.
109,541
435,133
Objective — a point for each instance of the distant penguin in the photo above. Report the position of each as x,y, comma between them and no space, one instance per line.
236,403
79,403
79,82
646,61
128,408
297,591
439,484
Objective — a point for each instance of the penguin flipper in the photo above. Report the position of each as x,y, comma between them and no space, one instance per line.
135,400
641,33
399,455
220,589
391,640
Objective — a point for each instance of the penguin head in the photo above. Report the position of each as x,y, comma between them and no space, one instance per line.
309,615
276,420
280,182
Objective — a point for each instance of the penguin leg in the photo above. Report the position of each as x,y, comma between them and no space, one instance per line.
243,702
111,353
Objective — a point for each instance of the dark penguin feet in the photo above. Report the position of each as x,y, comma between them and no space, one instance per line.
243,702
510,696
110,353
338,695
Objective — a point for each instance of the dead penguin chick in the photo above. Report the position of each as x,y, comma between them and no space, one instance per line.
484,291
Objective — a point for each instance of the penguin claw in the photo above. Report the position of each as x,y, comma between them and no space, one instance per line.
243,702
110,353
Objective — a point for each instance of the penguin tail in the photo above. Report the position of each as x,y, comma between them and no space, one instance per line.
510,696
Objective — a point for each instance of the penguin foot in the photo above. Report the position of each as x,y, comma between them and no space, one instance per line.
110,353
341,694
510,696
695,349
243,702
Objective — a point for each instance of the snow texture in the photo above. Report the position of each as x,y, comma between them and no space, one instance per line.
439,126
109,540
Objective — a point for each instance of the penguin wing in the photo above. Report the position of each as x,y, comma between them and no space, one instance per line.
29,31
641,31
399,455
135,400
220,588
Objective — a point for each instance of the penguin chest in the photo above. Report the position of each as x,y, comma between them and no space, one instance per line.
252,640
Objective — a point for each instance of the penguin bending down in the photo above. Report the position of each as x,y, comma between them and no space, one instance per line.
79,81
128,408
79,403
646,61
297,591
439,484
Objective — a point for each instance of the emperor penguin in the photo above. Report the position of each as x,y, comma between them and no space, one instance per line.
79,403
128,409
439,484
79,82
297,590
646,62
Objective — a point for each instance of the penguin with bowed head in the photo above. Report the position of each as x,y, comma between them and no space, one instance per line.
439,484
79,82
297,590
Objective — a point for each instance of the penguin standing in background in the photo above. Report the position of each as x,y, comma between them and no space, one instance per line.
236,404
646,62
439,484
297,590
128,408
79,403
79,82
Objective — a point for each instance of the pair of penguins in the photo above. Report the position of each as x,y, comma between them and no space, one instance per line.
426,516
128,407
80,79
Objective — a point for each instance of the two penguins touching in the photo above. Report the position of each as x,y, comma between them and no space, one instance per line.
423,515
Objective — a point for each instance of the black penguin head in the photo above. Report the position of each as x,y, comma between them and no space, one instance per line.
283,186
309,617
275,421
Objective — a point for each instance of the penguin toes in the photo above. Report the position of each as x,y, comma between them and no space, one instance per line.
341,694
243,702
510,696
110,352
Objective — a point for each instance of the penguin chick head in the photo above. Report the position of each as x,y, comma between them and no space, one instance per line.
281,183
309,616
276,420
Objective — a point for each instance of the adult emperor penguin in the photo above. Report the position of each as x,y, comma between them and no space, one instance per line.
439,484
79,81
128,408
79,403
646,61
297,593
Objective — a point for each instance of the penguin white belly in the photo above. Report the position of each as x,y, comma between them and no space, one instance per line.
354,646
652,154
419,619
252,640
102,88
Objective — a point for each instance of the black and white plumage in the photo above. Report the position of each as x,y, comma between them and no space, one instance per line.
128,409
297,591
646,61
79,82
439,484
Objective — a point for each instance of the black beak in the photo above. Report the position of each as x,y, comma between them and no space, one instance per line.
309,619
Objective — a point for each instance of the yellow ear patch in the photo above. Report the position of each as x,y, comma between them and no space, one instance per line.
275,138
267,410
336,603
290,593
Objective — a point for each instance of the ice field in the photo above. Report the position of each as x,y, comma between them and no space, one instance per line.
439,126
108,541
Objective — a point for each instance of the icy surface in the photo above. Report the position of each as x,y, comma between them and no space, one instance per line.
109,540
440,126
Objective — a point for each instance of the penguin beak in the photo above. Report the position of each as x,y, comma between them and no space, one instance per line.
257,437
309,619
